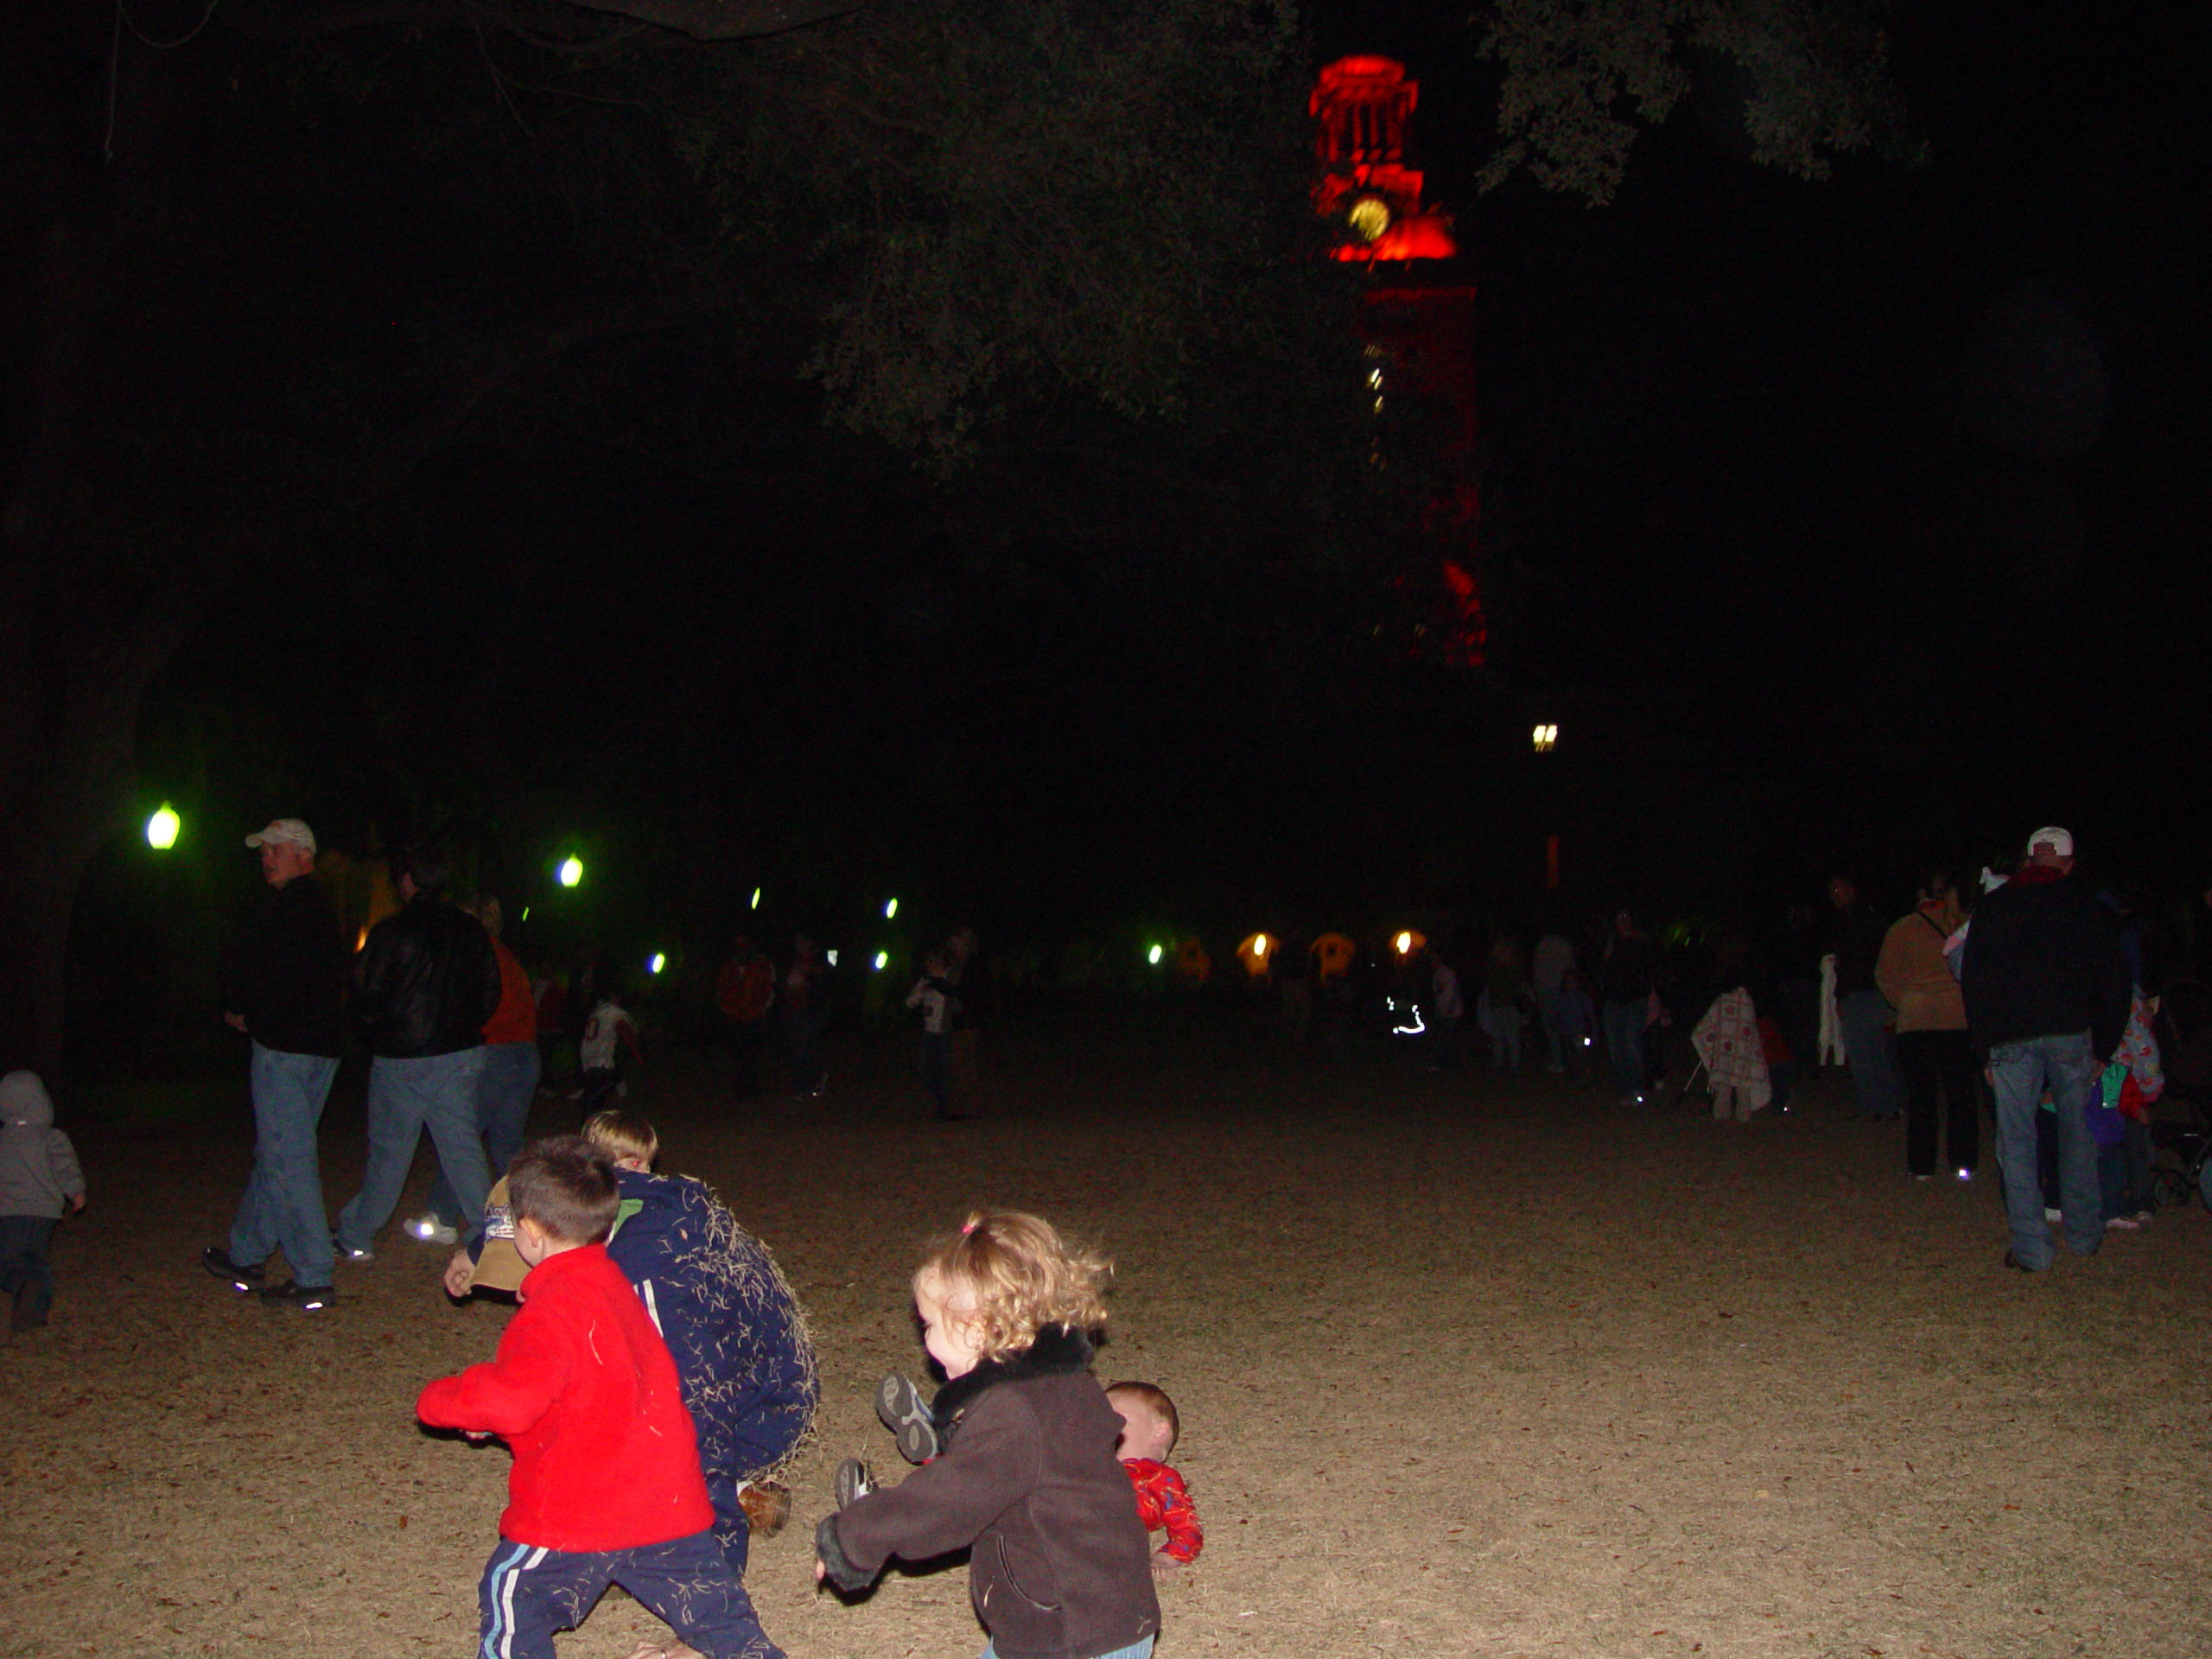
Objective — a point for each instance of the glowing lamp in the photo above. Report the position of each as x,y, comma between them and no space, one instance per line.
571,871
882,960
1369,218
1153,956
1546,737
1405,942
830,956
659,961
756,898
162,827
525,913
890,908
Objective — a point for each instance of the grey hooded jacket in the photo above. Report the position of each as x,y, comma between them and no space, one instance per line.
38,1166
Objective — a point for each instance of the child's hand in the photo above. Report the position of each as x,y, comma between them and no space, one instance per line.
820,1571
1163,1565
458,1273
76,1204
476,1436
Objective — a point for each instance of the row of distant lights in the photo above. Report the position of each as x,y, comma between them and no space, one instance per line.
162,833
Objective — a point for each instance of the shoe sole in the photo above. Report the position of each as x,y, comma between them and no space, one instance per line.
238,1279
898,1404
851,1482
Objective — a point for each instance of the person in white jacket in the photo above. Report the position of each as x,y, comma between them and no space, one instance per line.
39,1178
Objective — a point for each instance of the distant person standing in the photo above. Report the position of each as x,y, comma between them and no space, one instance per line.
1627,976
804,996
504,1089
285,989
973,1007
1547,973
934,995
745,990
1934,1052
1855,937
2047,1000
40,1179
424,986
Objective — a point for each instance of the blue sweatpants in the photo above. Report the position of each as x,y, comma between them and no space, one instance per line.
529,1591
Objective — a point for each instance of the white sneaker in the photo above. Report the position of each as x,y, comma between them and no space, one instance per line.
427,1228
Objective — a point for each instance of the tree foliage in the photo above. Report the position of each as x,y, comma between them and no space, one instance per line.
1581,77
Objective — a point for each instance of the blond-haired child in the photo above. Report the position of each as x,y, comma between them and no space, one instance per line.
1026,1472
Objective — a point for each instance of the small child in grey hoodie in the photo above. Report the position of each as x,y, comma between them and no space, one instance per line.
39,1178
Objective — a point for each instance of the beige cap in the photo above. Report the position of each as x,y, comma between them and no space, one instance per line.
500,1266
282,832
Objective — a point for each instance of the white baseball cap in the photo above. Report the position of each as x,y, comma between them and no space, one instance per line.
284,832
2059,841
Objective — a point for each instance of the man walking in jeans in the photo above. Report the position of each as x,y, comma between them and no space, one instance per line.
426,983
2047,996
283,990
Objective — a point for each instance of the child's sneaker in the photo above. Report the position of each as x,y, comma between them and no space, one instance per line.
899,1403
768,1505
851,1482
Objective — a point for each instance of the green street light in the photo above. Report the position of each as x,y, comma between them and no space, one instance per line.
890,908
659,961
571,871
162,827
1153,956
756,898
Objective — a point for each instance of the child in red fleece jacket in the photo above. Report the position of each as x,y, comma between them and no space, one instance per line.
606,1487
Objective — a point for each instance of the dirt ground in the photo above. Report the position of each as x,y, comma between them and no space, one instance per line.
1466,1365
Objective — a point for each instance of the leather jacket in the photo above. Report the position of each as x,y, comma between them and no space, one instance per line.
426,982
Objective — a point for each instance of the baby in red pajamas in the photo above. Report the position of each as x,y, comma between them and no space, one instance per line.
1149,1428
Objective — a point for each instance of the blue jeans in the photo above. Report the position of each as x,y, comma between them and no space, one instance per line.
503,1093
1877,1085
435,1091
282,1206
2022,1071
1140,1649
24,1264
1623,1025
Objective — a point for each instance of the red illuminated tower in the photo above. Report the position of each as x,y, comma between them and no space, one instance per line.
1417,323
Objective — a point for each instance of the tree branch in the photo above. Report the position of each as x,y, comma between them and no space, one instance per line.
286,22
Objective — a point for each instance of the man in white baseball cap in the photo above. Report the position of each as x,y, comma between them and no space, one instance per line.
284,832
285,991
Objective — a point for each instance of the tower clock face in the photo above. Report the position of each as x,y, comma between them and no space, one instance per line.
1369,218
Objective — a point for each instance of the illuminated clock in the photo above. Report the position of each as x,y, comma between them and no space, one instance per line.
1369,218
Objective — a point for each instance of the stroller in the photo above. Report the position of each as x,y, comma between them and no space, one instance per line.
2183,1155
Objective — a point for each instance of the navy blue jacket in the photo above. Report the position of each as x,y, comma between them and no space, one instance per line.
741,1350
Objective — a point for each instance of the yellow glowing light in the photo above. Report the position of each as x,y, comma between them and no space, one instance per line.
1369,218
659,961
756,898
1153,956
882,960
1405,944
1546,737
162,827
890,908
571,871
1259,943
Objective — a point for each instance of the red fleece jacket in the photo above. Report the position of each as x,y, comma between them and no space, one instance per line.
585,1394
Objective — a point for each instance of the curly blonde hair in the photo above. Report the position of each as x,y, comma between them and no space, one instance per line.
1006,1274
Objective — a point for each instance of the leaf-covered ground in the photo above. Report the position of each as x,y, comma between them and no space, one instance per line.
1466,1365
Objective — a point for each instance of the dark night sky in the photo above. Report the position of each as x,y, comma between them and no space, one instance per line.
1858,519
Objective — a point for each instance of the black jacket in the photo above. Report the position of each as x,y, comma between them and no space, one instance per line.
1061,1567
425,982
1857,939
288,981
2043,960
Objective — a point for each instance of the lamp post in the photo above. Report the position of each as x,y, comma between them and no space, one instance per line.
162,828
